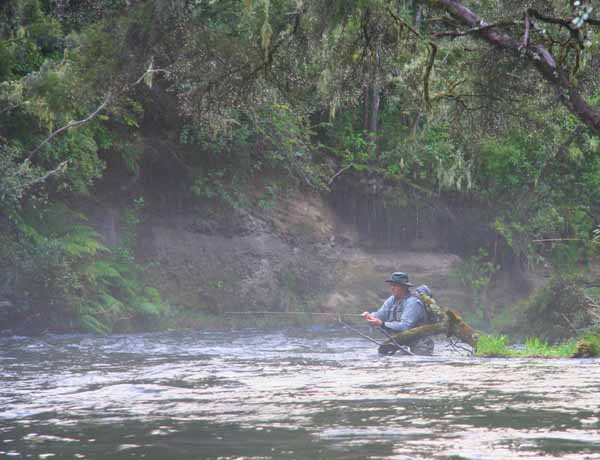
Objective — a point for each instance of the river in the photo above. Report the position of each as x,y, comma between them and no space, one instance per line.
307,395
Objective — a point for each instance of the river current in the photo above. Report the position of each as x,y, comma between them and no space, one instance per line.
307,395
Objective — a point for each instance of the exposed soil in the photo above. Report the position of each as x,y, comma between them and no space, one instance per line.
297,254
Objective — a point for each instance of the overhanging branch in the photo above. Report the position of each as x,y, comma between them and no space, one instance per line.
72,124
474,30
538,55
107,100
566,23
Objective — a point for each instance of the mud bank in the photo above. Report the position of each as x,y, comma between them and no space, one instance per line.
298,254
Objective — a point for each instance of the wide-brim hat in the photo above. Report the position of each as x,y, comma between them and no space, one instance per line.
399,278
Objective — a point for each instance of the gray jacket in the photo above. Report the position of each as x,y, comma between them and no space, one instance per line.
402,314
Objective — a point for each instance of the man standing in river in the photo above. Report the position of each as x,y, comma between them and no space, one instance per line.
401,311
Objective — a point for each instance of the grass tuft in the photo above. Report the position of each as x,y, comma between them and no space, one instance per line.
497,346
493,346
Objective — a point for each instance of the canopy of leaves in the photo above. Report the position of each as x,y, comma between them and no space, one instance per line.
402,92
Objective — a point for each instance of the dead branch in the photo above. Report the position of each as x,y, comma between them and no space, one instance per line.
591,301
554,240
569,322
453,325
345,168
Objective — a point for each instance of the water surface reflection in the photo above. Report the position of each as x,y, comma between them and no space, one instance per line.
297,395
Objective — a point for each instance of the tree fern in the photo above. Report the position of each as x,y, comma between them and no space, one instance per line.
102,271
69,271
81,241
150,308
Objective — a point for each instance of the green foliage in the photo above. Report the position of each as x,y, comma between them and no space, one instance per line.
591,342
214,186
475,273
553,310
493,346
540,348
497,346
60,267
267,95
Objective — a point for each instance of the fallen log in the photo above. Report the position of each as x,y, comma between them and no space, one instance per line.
452,325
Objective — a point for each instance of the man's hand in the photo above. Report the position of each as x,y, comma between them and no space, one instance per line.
372,320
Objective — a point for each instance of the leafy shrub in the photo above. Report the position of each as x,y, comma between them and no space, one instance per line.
553,310
475,273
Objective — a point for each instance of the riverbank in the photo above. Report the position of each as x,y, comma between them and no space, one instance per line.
142,266
187,269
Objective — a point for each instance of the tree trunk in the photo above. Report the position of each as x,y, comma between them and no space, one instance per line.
366,107
374,112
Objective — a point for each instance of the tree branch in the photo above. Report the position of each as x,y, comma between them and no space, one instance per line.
474,30
337,174
107,100
526,34
59,169
427,75
431,59
538,55
72,124
558,240
566,23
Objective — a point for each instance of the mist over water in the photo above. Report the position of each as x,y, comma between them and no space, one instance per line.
321,394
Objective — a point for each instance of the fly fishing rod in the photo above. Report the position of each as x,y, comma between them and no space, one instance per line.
356,331
290,313
338,316
402,348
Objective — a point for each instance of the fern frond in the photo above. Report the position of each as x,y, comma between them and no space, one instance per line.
82,240
150,308
111,305
102,271
94,325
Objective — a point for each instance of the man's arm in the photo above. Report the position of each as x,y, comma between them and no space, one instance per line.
382,313
376,318
411,315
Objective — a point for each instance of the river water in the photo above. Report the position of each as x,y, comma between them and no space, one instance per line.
320,394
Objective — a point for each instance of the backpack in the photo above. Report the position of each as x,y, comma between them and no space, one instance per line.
432,309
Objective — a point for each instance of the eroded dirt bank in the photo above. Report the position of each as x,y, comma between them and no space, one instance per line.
300,253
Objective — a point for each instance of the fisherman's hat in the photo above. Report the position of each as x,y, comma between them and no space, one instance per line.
399,278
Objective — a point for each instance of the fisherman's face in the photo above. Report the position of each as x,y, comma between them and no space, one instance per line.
398,290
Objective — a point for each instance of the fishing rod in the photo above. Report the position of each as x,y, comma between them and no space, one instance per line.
338,316
356,331
290,313
403,348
